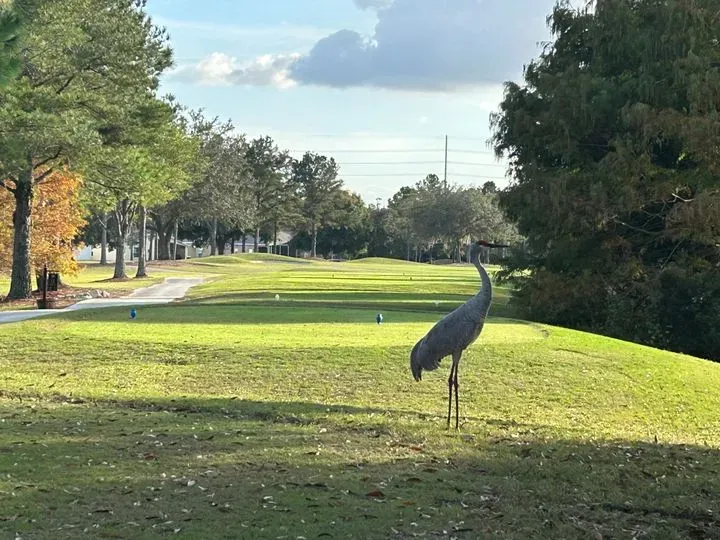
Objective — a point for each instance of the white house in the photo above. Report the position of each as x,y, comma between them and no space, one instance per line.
186,249
92,254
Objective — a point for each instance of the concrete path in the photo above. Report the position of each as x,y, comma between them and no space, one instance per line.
163,293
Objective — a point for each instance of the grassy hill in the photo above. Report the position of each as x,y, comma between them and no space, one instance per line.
236,415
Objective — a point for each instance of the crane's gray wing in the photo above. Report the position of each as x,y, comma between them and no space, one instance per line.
453,333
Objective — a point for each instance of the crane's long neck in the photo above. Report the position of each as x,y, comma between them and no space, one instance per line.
482,300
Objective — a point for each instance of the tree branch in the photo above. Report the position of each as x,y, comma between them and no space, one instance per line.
6,186
679,198
680,243
66,84
48,160
632,227
116,189
44,176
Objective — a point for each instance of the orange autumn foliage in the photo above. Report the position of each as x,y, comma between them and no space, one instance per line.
56,219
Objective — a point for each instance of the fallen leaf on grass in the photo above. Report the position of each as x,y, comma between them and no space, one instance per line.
377,494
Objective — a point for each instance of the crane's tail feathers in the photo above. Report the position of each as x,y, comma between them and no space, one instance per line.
415,366
420,359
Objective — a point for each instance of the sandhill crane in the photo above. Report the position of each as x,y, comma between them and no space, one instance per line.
455,332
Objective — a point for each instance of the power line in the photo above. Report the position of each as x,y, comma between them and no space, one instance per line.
393,151
415,175
344,163
372,151
381,135
477,164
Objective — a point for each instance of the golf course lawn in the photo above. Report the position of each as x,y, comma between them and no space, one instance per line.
236,414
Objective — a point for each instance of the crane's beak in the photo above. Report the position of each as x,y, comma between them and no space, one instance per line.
490,245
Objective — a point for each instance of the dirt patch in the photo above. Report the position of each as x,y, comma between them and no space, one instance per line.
65,297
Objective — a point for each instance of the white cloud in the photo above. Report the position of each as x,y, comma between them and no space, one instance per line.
373,4
420,45
431,45
221,69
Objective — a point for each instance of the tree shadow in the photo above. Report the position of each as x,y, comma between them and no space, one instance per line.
251,470
336,295
254,312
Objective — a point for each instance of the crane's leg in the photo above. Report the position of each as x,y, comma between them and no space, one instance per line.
456,363
452,383
450,392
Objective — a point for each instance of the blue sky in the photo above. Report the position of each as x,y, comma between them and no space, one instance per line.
375,83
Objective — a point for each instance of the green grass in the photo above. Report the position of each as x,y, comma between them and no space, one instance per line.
238,416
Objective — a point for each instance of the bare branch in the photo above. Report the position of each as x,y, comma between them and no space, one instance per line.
679,198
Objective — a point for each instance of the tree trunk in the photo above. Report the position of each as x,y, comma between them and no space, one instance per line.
408,252
232,245
21,281
257,239
175,240
220,245
244,241
163,251
103,239
141,272
275,236
213,237
313,250
163,230
121,236
124,212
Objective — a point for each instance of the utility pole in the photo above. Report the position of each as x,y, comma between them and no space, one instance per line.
446,158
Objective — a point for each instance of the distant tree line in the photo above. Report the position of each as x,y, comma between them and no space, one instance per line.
87,108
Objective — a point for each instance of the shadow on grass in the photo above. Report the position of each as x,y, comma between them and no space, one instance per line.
115,470
339,295
271,412
271,312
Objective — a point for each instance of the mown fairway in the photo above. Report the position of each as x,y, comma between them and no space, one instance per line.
234,415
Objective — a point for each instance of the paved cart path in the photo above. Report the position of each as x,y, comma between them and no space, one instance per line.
163,293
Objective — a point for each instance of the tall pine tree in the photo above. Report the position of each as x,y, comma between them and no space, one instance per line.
612,141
